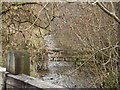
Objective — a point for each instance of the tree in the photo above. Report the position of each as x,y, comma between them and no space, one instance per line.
19,21
88,32
118,36
116,15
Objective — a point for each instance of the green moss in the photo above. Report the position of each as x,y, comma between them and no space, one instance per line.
38,62
79,59
31,69
78,63
74,57
45,31
86,56
2,64
33,75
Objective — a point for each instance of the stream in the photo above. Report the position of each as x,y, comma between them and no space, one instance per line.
59,69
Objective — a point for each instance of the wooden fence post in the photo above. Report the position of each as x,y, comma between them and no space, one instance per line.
18,62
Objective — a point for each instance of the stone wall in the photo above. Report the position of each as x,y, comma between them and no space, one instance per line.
2,78
24,81
8,80
17,65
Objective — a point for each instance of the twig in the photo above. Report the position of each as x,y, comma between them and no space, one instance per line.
108,12
89,59
33,22
113,8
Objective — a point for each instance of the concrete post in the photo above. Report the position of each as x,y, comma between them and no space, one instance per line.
18,62
2,78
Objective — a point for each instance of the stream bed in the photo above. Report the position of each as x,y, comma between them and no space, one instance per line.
58,74
58,70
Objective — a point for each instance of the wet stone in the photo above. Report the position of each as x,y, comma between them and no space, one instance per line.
51,78
47,78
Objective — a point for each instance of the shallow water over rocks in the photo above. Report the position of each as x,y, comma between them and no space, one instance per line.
59,69
58,74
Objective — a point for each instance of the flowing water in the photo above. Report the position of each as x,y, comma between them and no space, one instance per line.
59,69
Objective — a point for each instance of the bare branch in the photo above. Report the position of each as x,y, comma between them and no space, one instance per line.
108,12
91,57
16,4
33,22
113,8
